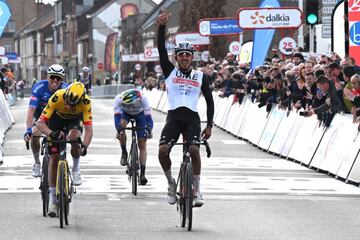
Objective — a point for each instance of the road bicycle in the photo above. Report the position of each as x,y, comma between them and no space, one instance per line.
133,159
44,180
185,184
64,182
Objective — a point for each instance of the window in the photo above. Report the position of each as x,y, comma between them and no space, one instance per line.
8,47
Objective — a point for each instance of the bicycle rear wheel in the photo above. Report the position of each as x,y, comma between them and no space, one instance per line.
134,168
44,185
189,195
61,186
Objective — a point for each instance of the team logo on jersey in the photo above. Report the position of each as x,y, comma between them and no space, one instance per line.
186,81
55,98
33,98
86,101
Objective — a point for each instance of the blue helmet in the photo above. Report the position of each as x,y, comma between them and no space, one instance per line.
130,96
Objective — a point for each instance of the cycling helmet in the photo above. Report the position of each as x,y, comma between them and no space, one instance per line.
130,96
74,93
184,47
56,70
85,69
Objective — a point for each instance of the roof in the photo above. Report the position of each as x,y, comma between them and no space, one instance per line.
149,21
37,24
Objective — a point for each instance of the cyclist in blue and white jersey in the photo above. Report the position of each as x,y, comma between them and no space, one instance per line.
130,104
41,92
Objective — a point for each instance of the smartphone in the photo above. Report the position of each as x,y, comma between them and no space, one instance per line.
304,113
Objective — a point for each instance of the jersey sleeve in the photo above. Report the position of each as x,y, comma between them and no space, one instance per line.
146,106
117,105
35,96
87,114
50,107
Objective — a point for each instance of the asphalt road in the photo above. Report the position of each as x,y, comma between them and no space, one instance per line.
249,194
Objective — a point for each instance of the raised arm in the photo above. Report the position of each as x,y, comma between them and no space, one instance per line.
165,63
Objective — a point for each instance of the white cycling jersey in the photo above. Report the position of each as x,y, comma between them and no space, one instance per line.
184,91
140,105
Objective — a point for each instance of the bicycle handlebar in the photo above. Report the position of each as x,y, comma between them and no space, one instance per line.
203,142
79,141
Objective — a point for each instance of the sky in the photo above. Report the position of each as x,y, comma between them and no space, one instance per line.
51,1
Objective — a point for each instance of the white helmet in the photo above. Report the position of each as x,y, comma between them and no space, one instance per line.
56,70
85,69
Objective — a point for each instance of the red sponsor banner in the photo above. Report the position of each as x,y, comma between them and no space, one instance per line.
354,29
186,81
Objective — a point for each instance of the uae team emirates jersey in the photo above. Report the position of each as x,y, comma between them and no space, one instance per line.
182,90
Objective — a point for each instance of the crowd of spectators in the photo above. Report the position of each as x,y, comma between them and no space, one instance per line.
323,85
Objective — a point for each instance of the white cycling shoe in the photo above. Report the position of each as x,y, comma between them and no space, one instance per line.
198,200
172,193
77,178
36,171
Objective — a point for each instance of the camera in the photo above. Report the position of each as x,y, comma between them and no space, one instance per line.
304,113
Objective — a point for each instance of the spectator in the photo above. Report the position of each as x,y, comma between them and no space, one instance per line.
332,103
297,58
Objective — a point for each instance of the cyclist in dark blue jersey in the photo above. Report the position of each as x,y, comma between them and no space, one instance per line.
41,92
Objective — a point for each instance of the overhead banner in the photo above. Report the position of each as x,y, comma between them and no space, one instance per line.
262,38
269,18
354,30
5,15
192,37
219,26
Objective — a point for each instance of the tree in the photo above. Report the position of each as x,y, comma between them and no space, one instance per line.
193,11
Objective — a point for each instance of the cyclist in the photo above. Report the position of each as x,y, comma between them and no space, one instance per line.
184,86
69,108
41,92
131,104
85,78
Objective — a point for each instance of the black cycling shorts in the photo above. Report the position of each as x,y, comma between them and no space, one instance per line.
58,123
178,121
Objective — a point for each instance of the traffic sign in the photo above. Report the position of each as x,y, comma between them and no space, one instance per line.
326,31
235,48
218,26
205,56
137,67
287,45
151,52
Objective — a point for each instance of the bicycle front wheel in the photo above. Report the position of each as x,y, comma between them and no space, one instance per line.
189,195
44,185
61,192
181,201
134,168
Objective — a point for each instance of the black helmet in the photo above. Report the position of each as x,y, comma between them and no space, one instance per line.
184,47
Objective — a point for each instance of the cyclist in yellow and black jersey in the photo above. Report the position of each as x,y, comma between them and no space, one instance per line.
68,108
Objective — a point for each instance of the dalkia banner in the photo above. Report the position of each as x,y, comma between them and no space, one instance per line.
354,30
263,38
5,15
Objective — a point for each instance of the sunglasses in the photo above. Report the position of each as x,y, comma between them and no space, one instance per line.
322,62
53,77
186,54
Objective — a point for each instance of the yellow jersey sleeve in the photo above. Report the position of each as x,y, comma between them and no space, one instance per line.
87,115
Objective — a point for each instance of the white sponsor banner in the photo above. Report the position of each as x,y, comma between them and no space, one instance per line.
193,37
130,58
267,18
